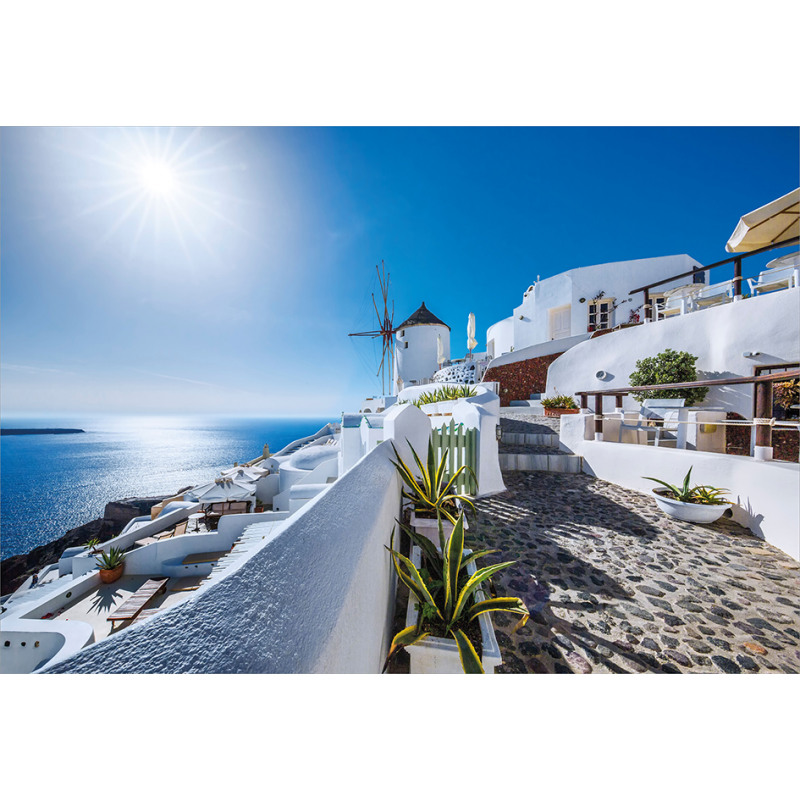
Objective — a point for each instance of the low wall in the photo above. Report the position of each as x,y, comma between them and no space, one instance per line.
317,598
764,492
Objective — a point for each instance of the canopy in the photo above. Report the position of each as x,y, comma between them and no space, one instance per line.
221,490
775,222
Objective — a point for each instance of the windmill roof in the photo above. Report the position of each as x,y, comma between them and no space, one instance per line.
422,317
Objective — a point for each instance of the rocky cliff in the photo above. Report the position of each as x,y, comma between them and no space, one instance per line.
116,515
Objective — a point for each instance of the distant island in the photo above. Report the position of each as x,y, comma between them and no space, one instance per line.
35,431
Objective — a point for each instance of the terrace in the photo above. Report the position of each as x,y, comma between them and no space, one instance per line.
615,586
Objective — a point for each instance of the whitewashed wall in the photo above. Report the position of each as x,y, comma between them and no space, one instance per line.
765,493
530,320
316,598
500,337
719,336
418,362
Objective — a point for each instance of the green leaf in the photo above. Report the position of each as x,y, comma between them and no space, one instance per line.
452,564
474,581
470,662
511,604
405,638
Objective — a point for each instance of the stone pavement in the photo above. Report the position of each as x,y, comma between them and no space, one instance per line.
614,585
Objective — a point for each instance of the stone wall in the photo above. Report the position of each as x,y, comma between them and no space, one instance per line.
521,378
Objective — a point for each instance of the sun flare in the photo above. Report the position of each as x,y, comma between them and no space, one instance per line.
157,178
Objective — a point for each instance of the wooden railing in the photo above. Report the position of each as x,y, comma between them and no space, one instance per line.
763,420
737,272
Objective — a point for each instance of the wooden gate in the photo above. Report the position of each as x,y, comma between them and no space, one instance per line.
461,445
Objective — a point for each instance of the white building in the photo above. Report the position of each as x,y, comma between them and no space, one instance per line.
585,299
416,348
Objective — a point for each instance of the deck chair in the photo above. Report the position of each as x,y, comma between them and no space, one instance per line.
679,300
658,419
713,295
781,273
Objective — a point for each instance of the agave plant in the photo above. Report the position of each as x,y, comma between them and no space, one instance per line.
111,560
703,495
92,544
433,492
446,593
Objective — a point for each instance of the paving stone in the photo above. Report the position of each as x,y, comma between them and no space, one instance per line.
720,643
745,662
578,663
725,664
679,657
603,555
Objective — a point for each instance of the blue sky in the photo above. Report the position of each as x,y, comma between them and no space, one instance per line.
233,290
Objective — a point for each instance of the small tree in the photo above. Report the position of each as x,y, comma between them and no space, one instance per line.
670,366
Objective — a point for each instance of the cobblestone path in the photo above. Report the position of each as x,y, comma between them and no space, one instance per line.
525,422
616,586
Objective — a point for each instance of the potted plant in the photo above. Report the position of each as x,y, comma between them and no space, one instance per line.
446,620
111,565
558,405
93,544
700,503
432,495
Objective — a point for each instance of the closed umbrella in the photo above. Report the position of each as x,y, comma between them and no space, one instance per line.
471,343
773,223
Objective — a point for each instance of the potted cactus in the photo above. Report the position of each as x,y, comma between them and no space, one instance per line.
111,565
699,503
447,621
432,496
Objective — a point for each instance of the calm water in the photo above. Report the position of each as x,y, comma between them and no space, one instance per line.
51,483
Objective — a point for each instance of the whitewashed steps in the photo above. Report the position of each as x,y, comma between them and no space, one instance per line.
534,439
540,462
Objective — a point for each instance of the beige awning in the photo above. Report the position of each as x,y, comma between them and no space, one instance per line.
775,222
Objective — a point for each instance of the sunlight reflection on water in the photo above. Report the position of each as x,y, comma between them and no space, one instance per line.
51,483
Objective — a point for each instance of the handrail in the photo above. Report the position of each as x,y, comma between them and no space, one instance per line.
777,376
737,273
763,401
732,259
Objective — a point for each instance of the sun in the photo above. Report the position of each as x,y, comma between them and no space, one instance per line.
157,178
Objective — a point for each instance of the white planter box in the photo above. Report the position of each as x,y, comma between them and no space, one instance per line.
429,528
437,656
690,512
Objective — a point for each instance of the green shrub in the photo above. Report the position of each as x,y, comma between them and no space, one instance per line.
670,366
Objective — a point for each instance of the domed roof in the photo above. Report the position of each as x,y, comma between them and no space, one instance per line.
422,317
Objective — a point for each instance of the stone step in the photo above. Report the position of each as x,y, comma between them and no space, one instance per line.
535,439
540,462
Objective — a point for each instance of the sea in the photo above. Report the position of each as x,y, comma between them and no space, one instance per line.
50,483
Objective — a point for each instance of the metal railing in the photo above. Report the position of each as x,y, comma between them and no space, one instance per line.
736,260
763,420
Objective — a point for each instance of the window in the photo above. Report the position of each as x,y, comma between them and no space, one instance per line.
601,314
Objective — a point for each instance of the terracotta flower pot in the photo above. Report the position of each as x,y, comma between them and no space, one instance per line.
110,575
557,412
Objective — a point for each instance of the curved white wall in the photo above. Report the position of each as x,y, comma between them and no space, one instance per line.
417,362
500,337
316,598
769,324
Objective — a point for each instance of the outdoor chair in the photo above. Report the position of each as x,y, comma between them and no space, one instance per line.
713,295
782,273
679,300
658,419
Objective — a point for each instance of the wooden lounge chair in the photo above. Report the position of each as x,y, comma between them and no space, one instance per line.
135,604
178,530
